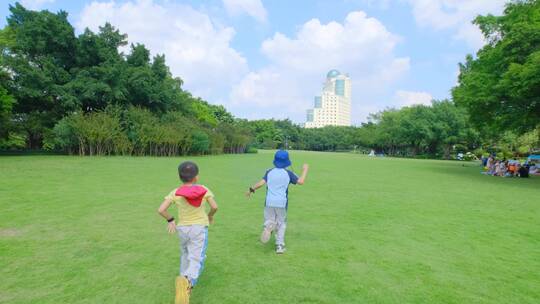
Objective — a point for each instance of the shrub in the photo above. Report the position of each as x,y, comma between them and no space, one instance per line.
139,131
252,150
469,156
217,143
96,133
15,141
64,136
201,142
479,152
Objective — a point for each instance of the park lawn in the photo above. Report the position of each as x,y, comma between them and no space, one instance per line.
361,230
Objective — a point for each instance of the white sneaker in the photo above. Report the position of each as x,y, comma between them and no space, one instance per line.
267,232
280,249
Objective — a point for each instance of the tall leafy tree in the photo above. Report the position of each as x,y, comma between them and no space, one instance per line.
7,40
39,62
6,105
56,85
501,86
450,127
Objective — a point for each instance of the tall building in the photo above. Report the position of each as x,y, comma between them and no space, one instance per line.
333,107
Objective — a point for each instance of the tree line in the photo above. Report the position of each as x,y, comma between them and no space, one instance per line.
438,131
414,131
80,94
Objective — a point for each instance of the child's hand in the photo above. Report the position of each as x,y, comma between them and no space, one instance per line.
171,227
211,219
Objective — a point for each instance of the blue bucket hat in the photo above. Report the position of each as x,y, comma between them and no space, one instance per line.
281,159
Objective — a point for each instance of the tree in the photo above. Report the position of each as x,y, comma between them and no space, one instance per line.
139,56
501,87
7,40
415,124
55,85
39,62
387,133
450,127
6,104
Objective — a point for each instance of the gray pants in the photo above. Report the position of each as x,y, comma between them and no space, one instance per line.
276,218
193,243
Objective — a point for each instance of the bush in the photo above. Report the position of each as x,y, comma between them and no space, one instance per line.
201,142
141,132
64,137
469,156
97,133
479,152
523,150
49,140
217,143
269,144
252,150
15,141
459,148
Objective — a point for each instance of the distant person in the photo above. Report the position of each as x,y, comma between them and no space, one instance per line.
277,182
534,169
484,161
497,168
493,168
192,226
502,168
523,171
511,169
489,162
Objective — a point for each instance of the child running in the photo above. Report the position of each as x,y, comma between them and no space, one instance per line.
277,182
192,227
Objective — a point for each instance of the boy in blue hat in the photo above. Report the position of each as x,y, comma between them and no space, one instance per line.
277,182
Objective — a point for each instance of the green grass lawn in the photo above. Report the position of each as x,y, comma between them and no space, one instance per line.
361,230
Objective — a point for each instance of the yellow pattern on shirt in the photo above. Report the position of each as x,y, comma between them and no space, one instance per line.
188,214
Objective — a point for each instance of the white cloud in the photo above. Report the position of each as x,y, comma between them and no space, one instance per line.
196,48
35,4
408,98
471,34
380,4
360,46
270,93
455,15
253,8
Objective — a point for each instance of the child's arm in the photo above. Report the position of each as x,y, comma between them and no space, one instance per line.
162,210
213,209
302,178
255,187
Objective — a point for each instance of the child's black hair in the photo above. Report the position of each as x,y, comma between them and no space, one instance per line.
187,171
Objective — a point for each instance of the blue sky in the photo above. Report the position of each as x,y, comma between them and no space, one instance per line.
267,59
